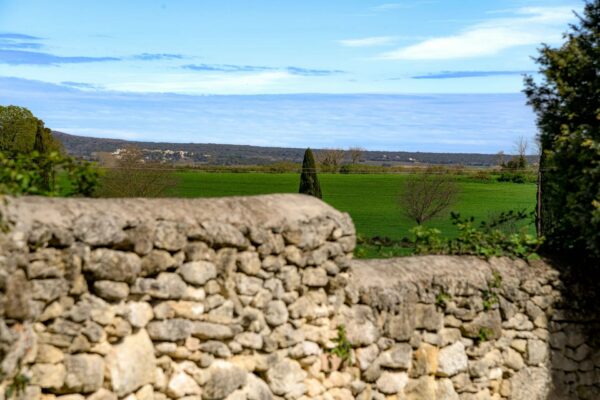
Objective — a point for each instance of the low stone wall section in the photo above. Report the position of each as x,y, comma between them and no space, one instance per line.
258,298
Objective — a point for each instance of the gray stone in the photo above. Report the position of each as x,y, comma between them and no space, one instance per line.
276,313
169,235
452,360
46,263
208,330
250,339
489,321
360,330
314,277
48,376
198,251
110,290
257,389
48,290
157,261
366,355
224,378
249,263
113,265
181,384
530,384
392,382
427,317
216,348
287,378
401,327
219,234
512,359
166,286
198,272
248,285
399,356
139,313
170,329
103,394
98,230
537,352
84,373
131,363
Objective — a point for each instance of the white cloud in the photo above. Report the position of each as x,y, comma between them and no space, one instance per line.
193,84
367,42
528,26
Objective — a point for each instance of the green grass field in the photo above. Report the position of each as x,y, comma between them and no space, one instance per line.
369,199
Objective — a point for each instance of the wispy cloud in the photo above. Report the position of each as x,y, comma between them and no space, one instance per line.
81,85
527,26
158,56
367,42
210,84
260,68
19,41
226,68
468,74
313,72
18,57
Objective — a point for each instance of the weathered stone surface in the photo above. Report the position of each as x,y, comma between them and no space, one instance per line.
249,263
314,277
361,331
208,330
397,357
138,313
48,376
17,301
219,234
529,384
392,382
169,235
113,265
157,261
198,272
84,373
452,360
98,230
489,321
276,313
170,329
224,378
103,394
166,286
537,352
181,384
287,378
131,363
110,290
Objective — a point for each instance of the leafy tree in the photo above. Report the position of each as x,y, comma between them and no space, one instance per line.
309,182
427,195
134,176
567,104
21,131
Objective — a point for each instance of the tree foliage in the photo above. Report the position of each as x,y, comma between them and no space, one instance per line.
567,104
309,182
131,175
427,195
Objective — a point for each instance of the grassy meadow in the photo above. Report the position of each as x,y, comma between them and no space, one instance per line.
371,199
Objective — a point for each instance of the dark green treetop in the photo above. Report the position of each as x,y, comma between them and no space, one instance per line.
567,104
309,182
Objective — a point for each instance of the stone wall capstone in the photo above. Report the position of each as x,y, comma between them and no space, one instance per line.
244,298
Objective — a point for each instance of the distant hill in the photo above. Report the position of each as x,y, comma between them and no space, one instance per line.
228,154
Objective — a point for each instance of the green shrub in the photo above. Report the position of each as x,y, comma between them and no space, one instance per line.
485,240
309,182
26,174
567,104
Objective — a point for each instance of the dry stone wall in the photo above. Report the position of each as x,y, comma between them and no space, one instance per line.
245,298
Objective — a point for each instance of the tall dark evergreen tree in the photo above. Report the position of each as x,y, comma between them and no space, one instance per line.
309,182
567,104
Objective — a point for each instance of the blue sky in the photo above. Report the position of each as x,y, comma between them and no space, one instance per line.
142,50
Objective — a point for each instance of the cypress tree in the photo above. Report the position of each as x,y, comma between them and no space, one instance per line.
309,182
